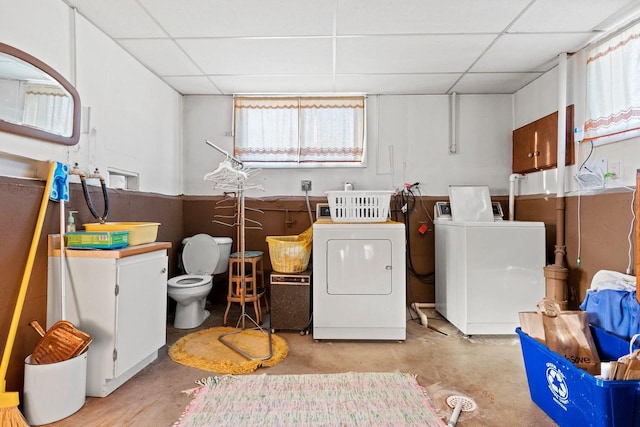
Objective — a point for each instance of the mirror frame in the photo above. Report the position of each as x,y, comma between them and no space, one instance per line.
38,133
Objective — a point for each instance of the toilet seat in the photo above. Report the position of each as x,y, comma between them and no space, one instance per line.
200,255
189,281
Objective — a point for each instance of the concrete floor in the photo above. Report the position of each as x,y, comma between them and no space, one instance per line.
488,369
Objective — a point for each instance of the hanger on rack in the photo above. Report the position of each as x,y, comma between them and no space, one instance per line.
232,175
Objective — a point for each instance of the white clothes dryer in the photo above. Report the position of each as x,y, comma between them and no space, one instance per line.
359,284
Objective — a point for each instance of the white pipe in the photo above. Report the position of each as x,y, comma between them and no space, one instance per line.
63,285
416,306
512,191
453,146
562,121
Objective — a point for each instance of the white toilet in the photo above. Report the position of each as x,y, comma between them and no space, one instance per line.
202,257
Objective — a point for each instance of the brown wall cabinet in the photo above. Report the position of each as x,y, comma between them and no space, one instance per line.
535,145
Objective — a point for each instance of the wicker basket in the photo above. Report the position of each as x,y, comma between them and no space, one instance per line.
359,206
290,254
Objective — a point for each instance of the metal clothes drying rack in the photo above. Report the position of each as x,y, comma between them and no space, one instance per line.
232,175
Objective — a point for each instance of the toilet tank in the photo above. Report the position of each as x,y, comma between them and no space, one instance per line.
224,244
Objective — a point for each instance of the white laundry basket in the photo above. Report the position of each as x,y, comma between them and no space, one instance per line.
359,206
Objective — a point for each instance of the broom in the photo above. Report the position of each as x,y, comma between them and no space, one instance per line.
10,415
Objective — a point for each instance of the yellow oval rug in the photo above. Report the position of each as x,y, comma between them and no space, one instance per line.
202,350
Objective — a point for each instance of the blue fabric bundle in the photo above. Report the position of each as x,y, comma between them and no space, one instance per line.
60,184
615,311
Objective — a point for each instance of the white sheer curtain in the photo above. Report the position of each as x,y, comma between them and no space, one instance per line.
613,88
299,129
48,107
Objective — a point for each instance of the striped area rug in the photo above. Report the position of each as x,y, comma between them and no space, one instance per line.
345,399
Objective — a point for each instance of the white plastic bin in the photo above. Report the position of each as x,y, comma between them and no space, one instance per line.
54,391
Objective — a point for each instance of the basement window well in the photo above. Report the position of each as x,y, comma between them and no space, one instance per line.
296,131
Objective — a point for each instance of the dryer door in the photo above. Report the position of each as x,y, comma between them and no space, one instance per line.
359,267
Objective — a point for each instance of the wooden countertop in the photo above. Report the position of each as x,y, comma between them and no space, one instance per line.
54,249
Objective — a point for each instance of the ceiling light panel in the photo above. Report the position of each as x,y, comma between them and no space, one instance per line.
120,18
261,56
395,84
409,54
426,16
255,18
161,55
527,52
192,85
566,16
274,84
486,83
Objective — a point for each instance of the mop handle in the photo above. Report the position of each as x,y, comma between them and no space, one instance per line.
13,329
456,413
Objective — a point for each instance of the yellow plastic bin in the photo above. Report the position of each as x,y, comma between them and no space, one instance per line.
139,232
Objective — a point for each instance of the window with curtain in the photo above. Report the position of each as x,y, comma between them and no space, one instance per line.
300,130
48,107
613,88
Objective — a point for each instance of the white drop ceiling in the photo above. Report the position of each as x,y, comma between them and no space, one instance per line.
352,46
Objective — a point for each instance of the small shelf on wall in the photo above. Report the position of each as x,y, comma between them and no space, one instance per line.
535,145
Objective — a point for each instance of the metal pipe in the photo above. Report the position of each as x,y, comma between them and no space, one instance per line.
512,184
453,146
562,144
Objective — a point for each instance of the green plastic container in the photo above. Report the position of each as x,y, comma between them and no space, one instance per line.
97,239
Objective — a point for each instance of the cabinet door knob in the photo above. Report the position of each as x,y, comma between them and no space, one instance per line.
164,270
530,155
387,267
536,153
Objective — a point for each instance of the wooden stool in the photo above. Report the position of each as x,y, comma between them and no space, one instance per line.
254,291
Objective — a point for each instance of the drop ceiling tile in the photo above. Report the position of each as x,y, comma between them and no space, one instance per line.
192,85
206,18
426,16
527,52
119,18
161,55
480,83
409,54
274,84
395,84
261,56
566,16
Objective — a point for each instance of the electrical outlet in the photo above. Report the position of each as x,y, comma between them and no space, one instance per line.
614,170
305,184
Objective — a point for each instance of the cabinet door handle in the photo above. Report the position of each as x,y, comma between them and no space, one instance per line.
387,267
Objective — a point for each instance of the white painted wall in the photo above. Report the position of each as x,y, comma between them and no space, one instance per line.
135,118
408,141
539,99
137,124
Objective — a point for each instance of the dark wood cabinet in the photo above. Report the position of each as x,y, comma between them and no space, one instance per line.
535,145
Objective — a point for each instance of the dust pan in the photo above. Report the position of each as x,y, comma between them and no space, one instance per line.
61,342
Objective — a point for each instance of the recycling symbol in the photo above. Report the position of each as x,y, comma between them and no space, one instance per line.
557,384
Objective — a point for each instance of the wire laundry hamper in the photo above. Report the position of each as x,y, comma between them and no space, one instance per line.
359,206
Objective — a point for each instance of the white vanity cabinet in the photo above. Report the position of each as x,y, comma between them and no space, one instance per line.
119,297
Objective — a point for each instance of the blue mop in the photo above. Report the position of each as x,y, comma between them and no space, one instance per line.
60,186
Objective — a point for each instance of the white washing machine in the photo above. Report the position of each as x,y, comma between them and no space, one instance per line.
488,271
359,283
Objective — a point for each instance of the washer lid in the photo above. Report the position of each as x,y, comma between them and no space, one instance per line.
200,255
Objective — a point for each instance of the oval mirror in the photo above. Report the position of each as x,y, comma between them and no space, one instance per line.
35,100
